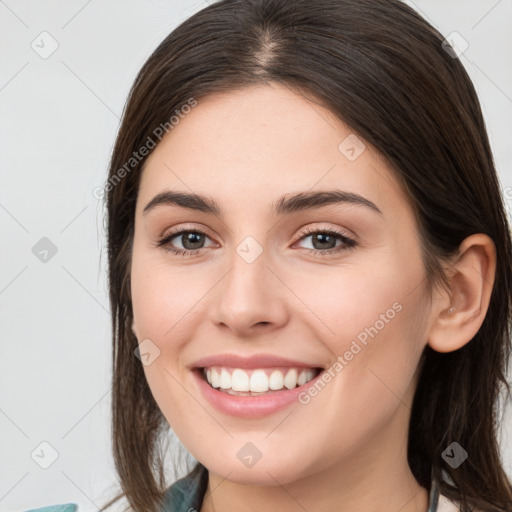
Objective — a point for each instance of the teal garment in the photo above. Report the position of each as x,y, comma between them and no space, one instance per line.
68,507
187,494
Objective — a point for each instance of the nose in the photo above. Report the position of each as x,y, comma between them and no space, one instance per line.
250,298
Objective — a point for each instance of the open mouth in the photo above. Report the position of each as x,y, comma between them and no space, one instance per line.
257,381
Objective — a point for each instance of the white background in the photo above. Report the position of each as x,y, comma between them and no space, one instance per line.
59,118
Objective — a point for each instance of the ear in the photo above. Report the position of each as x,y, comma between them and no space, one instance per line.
461,310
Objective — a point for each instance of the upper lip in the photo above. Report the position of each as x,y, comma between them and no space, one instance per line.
254,361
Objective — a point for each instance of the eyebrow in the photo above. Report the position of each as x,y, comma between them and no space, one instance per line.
285,205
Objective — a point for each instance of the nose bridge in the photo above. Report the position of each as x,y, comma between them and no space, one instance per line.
247,280
250,294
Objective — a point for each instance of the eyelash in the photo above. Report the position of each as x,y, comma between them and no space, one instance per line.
348,243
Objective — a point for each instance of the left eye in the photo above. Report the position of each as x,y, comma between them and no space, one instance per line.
324,241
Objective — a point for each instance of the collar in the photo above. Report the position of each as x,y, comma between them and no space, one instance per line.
187,493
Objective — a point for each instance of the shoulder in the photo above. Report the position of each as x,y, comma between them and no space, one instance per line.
66,507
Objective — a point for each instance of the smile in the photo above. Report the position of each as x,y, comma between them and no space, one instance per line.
257,381
253,386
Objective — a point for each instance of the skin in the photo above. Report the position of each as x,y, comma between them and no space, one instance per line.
348,445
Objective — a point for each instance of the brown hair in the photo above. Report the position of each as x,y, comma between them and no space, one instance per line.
383,70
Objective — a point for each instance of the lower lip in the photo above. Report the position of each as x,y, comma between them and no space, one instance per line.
250,406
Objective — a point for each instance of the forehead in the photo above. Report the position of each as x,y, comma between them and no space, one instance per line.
260,142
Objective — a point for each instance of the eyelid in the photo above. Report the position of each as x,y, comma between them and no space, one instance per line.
184,227
315,228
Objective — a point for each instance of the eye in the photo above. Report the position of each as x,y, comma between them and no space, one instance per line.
191,241
324,241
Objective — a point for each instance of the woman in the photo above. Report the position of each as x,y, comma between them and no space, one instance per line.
309,267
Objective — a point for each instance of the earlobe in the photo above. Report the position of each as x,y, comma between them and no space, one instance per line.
462,310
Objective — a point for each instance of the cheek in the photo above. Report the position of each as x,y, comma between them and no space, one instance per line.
164,304
354,301
163,297
373,324
372,320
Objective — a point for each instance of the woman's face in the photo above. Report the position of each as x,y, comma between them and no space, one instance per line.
266,279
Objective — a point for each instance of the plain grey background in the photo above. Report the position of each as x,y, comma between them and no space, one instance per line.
65,71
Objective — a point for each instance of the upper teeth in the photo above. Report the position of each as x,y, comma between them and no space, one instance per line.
259,380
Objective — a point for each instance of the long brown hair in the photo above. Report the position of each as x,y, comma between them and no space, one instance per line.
383,70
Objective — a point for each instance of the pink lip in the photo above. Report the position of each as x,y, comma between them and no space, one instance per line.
255,361
250,406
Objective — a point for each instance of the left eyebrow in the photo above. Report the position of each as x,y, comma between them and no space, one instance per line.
311,200
285,205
